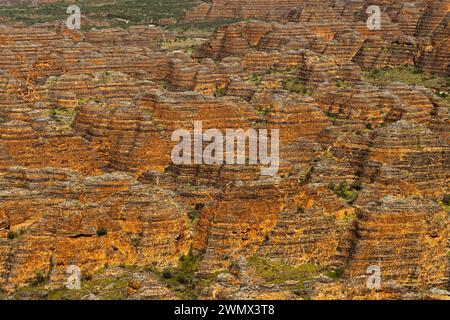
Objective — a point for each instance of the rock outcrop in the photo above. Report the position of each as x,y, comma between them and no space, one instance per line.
87,176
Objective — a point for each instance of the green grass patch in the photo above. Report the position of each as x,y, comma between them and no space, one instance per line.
62,115
294,85
409,75
278,273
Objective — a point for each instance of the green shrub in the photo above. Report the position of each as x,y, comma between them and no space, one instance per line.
335,273
12,234
220,92
194,214
182,278
332,116
348,193
356,185
40,278
446,200
102,231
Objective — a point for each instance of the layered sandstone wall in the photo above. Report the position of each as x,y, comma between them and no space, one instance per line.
86,176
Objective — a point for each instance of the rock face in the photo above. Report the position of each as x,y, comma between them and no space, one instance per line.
414,33
87,177
416,257
66,215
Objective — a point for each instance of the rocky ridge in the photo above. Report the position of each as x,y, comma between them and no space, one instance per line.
86,177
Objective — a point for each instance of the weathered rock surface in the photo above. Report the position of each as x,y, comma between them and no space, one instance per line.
87,179
413,33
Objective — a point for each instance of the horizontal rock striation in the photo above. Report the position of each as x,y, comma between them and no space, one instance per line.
87,179
406,238
68,210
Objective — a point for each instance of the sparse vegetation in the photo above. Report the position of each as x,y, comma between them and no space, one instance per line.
164,84
263,112
346,192
148,112
120,13
39,278
350,216
332,116
335,273
62,115
254,79
194,213
342,84
294,85
15,234
276,273
83,100
200,27
297,191
160,127
445,202
114,13
104,287
306,175
181,43
182,279
410,75
219,92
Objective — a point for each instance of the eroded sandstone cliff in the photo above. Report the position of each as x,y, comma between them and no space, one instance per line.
86,176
